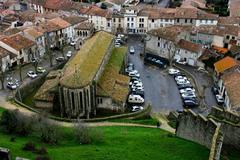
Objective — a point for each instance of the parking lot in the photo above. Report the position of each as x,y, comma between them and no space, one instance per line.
161,90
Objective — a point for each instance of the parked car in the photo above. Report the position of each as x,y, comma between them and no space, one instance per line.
131,83
182,86
190,98
135,99
179,78
136,108
60,59
138,89
130,68
11,85
188,95
134,74
181,61
185,90
215,90
137,92
135,79
220,99
182,81
31,74
173,71
69,54
132,50
117,44
41,70
73,43
190,103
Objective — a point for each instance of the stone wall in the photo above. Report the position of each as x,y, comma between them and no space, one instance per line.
196,127
230,126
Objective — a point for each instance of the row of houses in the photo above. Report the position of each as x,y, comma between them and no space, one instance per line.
33,40
192,44
134,19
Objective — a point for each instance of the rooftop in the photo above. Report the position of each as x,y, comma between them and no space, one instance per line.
85,26
60,22
111,83
17,42
225,63
190,46
34,32
74,19
82,68
232,85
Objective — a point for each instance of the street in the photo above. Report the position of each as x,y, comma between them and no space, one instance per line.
160,89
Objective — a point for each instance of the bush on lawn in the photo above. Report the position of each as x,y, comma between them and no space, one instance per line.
47,130
85,134
13,121
29,146
82,133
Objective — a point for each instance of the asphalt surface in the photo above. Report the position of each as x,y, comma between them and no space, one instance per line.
160,89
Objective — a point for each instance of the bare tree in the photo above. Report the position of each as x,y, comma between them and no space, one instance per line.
2,75
171,51
48,50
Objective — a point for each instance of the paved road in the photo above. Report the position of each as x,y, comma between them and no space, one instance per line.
160,88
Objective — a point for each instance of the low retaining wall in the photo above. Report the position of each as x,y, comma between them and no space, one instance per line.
196,127
230,126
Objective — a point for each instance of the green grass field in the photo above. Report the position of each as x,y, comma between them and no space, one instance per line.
119,143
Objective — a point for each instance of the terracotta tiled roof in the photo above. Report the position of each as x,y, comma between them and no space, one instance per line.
170,33
74,19
48,27
60,22
225,63
34,32
229,20
157,13
190,46
234,8
96,11
85,26
58,4
17,42
231,82
193,4
4,52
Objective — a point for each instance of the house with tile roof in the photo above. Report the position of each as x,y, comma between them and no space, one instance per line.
22,47
225,64
5,59
189,52
229,88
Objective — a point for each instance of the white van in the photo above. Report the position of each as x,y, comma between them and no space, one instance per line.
135,99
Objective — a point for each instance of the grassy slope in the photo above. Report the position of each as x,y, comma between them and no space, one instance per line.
119,143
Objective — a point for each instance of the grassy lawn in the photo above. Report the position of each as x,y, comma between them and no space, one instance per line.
146,121
119,143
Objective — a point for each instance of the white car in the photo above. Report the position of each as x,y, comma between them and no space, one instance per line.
117,45
138,86
134,82
181,61
69,54
139,89
136,108
220,99
183,81
31,74
11,85
188,95
134,73
132,50
177,78
173,71
73,43
187,90
135,99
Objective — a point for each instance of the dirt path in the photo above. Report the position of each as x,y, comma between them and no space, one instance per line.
8,105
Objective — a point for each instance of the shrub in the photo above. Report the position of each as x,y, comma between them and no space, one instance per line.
47,130
16,122
29,146
82,133
42,150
